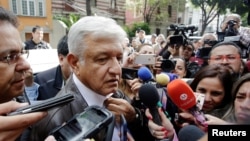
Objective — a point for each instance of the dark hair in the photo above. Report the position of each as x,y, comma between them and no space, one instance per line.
226,43
230,114
223,73
35,28
62,47
6,15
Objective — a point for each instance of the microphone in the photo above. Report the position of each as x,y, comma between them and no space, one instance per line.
190,133
145,74
148,94
183,97
164,78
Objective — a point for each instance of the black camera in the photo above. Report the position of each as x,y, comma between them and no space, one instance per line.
168,65
231,23
176,39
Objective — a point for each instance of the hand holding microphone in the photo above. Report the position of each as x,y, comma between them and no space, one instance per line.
161,127
183,96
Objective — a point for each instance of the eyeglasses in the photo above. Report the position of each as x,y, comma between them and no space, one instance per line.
229,58
12,58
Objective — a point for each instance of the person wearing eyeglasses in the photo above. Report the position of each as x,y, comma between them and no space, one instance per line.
12,67
227,54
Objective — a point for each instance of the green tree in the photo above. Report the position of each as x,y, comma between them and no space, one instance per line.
212,8
68,21
152,8
132,29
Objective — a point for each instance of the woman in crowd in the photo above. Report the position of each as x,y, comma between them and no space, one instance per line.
239,110
215,82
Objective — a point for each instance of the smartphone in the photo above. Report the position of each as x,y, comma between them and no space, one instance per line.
44,105
123,128
84,125
146,59
128,73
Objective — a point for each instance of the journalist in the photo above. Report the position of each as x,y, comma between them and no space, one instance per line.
12,67
231,26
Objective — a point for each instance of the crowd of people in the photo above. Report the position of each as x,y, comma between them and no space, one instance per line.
91,57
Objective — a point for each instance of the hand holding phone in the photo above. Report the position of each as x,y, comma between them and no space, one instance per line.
44,105
146,59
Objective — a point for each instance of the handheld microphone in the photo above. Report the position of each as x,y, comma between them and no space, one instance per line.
149,96
190,133
164,78
145,74
183,97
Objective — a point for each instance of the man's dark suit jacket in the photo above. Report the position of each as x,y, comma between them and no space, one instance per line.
58,116
50,82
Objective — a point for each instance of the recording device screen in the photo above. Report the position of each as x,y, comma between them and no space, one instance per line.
128,73
204,52
83,125
176,39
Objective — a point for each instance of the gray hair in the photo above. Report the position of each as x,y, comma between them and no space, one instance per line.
8,16
95,26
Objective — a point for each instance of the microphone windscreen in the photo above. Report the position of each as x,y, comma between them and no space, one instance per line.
148,94
190,133
181,94
172,76
162,79
144,74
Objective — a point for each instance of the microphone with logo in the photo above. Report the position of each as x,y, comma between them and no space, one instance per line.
183,97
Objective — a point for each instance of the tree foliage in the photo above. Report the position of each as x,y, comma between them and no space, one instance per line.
140,25
151,7
212,8
69,20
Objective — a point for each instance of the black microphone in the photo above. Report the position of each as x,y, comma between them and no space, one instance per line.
190,133
148,94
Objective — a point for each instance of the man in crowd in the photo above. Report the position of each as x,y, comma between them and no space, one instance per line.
227,54
231,26
12,67
51,81
95,57
37,42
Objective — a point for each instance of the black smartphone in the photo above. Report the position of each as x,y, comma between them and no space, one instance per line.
44,104
129,73
123,128
84,125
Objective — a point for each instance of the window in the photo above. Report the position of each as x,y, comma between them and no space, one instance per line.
24,7
40,8
28,7
32,8
14,6
113,4
93,3
169,11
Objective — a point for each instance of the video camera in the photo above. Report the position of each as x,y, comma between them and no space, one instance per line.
183,28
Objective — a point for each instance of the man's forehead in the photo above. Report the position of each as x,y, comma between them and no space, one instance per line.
224,49
232,18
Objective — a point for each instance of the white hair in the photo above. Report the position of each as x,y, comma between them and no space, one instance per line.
95,26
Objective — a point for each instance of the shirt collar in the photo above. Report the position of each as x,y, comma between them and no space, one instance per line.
91,97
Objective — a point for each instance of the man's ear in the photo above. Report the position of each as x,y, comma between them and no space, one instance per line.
73,62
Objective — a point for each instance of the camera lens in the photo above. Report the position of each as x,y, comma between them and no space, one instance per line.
168,65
